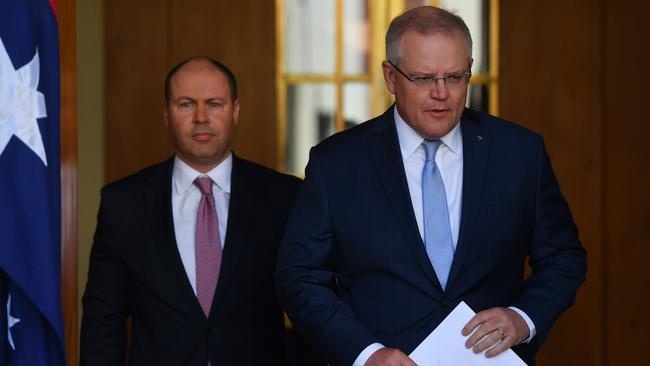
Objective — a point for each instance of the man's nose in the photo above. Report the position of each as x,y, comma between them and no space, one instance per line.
200,115
439,90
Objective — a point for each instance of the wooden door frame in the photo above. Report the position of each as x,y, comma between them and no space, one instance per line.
66,14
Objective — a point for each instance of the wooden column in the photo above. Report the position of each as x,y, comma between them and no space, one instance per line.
66,12
626,273
576,72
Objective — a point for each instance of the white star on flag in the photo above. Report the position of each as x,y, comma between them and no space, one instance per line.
21,104
11,322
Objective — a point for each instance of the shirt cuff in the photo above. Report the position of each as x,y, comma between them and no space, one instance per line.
366,353
531,326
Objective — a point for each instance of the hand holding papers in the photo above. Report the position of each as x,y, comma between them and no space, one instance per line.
445,346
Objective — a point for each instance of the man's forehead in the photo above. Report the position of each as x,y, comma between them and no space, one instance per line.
416,44
434,35
197,66
199,77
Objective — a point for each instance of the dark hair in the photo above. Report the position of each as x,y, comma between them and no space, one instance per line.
425,20
230,77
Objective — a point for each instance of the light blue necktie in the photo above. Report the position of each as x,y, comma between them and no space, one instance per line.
437,231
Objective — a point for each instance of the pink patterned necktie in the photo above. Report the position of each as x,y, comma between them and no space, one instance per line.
207,246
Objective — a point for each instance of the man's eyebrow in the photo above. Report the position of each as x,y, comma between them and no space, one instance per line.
460,71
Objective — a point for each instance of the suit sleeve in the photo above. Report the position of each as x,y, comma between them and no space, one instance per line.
557,258
306,277
107,300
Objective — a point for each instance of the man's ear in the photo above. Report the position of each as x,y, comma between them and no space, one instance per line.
389,76
235,111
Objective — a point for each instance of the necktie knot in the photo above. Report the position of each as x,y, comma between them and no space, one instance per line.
430,148
204,184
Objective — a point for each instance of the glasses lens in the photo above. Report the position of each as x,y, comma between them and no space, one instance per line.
454,79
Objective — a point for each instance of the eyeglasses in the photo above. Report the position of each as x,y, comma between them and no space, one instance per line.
450,80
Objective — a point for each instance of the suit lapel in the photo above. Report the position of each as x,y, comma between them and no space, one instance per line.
241,211
476,150
171,272
385,152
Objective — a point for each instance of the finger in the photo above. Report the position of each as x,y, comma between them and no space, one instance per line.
505,343
482,331
401,359
393,357
489,341
475,322
405,360
409,362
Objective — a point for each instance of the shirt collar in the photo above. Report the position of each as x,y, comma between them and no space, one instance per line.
410,140
183,175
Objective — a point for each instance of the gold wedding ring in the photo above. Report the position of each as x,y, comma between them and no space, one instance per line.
503,335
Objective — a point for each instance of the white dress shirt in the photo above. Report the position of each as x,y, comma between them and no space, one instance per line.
185,203
449,160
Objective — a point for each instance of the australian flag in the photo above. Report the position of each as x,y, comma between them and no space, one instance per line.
31,325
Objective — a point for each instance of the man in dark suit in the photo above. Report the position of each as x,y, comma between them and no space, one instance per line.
187,248
404,216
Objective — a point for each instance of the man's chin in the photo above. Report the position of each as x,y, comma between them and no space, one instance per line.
435,129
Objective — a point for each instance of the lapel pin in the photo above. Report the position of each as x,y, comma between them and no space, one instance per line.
479,138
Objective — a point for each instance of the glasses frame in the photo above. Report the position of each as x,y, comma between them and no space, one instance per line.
421,81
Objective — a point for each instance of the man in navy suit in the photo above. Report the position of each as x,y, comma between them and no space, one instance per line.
404,216
197,284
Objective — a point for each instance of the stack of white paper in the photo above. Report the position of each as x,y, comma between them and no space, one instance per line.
445,346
